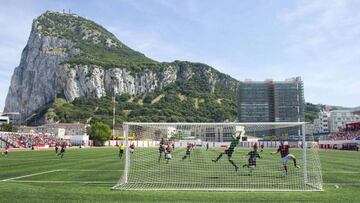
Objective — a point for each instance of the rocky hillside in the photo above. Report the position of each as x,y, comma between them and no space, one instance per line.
68,58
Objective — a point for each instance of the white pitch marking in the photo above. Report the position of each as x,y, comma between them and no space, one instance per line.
60,181
346,184
33,174
87,170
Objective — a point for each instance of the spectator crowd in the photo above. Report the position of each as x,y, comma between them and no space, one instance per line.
26,140
345,134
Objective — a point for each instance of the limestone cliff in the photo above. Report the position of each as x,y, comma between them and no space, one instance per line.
68,56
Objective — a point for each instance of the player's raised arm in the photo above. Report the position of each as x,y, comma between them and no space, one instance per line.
277,151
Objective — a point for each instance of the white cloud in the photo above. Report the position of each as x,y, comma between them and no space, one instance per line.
15,21
323,42
151,43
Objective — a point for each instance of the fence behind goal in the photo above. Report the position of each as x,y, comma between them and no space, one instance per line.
199,162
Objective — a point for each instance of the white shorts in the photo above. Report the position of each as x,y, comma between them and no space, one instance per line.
168,156
287,158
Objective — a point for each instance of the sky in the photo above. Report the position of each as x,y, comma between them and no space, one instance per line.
318,40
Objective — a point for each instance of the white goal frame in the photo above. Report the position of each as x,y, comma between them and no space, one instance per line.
304,165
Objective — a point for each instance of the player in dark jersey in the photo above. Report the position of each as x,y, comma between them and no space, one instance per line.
285,155
56,148
162,148
161,151
62,150
230,150
262,147
252,159
188,151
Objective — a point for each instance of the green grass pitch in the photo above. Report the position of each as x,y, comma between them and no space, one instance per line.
86,175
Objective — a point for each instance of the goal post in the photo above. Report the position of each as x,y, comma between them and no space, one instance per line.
219,157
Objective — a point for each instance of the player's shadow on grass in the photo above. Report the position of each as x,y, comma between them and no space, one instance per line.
260,176
212,177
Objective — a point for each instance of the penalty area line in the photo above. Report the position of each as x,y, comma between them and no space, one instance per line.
29,175
88,170
62,182
344,184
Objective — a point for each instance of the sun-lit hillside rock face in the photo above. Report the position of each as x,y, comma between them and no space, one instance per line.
68,56
33,83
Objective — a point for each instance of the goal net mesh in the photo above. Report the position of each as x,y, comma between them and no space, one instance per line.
196,156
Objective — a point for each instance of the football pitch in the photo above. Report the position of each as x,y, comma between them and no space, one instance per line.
86,175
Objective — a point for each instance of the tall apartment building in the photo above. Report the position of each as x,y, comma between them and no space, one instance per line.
272,101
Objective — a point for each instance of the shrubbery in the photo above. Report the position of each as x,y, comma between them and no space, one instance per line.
99,132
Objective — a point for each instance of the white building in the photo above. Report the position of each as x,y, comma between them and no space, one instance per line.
73,132
217,133
321,124
64,128
339,118
58,129
170,131
4,120
309,129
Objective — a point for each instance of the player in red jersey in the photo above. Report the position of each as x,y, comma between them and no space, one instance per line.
168,152
62,150
132,148
285,155
6,150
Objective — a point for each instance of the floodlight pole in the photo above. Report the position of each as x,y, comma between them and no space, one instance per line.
113,119
113,100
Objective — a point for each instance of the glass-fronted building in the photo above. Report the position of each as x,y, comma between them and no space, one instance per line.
256,102
272,101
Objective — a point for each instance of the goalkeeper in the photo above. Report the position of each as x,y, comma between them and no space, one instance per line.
230,150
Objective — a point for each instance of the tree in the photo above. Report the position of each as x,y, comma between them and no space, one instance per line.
99,132
8,128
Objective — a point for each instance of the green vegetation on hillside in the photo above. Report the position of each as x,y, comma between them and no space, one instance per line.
183,101
311,111
186,100
180,102
97,45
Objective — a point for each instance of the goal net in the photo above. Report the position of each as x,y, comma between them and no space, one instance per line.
220,157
